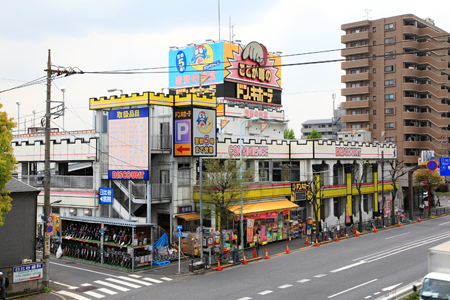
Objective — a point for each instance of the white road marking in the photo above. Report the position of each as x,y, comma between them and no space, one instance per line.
392,237
348,267
444,223
112,286
377,293
82,269
135,280
94,294
390,288
86,284
320,275
63,284
367,297
78,297
355,287
166,278
265,292
285,286
245,298
304,280
152,280
124,283
135,276
106,291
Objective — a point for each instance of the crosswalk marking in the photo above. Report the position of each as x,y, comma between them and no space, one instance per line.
112,286
94,294
135,280
152,280
124,283
304,280
106,291
78,297
265,292
166,278
135,276
285,286
86,284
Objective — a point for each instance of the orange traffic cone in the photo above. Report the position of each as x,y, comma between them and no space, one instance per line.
219,268
267,255
357,233
307,242
245,260
374,229
399,224
420,220
254,252
317,243
326,236
343,232
287,249
336,238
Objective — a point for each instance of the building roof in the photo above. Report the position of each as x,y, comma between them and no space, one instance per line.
17,186
317,121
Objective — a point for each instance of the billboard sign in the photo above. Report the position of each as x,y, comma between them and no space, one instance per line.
28,272
182,137
197,65
128,144
204,132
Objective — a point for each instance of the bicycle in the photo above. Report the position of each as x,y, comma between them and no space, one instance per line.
223,257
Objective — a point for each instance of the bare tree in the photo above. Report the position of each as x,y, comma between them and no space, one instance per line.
397,170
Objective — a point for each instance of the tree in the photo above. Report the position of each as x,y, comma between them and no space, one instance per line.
315,199
314,135
289,134
221,187
7,162
359,176
432,178
397,170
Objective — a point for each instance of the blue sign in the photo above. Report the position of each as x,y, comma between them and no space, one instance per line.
179,234
444,166
105,195
179,227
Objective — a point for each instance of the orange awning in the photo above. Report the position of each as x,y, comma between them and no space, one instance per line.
271,206
189,217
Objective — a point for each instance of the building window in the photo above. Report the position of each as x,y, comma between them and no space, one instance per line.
389,40
374,70
374,84
389,68
374,57
374,43
374,126
367,97
354,58
367,84
367,43
374,112
389,125
388,111
374,29
353,85
367,70
367,125
356,126
389,26
389,97
355,112
389,139
263,170
366,29
354,44
389,54
354,31
355,98
367,111
354,71
184,175
374,98
389,82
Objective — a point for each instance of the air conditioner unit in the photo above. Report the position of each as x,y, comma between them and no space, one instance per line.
73,211
26,261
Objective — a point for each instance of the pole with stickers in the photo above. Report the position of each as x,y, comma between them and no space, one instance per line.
179,235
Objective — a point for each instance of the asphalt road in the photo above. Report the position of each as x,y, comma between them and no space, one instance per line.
355,268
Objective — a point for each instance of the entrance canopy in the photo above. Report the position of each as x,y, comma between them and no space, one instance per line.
271,206
189,217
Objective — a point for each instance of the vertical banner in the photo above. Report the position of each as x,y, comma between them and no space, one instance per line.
56,225
250,224
128,144
182,126
204,132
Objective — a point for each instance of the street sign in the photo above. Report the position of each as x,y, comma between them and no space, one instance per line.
105,195
432,165
49,228
49,219
444,166
179,227
179,234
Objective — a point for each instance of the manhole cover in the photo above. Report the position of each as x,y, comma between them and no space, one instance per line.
85,289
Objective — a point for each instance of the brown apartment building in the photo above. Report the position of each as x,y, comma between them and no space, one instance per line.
397,73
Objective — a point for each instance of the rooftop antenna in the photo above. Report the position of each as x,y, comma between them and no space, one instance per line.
367,14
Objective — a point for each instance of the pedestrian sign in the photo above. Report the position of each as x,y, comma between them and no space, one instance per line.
444,166
179,234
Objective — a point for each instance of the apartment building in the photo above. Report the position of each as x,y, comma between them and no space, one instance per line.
397,73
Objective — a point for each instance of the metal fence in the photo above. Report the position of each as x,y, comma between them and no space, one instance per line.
59,181
159,191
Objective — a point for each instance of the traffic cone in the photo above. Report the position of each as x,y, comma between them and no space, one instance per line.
374,229
357,233
317,243
245,260
343,232
287,249
420,220
254,252
267,255
336,238
326,236
307,242
399,224
219,268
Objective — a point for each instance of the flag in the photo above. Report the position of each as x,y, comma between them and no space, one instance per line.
223,123
263,126
383,133
203,78
353,132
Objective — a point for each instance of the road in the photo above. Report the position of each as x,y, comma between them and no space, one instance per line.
356,268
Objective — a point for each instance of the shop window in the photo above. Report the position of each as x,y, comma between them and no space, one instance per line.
366,203
355,209
263,170
184,174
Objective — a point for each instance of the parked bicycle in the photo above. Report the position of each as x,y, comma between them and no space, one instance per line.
224,257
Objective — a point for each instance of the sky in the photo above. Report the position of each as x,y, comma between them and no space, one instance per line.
116,35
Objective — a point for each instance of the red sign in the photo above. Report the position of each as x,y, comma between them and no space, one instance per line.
432,165
271,215
424,182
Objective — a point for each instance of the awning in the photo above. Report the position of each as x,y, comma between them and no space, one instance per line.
189,217
271,206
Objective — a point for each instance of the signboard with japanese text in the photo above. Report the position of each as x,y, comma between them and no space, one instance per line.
105,195
128,144
184,209
182,137
444,166
204,132
28,272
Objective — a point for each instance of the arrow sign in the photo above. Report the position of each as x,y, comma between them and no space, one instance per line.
181,149
390,288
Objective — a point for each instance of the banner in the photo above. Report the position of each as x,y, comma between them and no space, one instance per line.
250,224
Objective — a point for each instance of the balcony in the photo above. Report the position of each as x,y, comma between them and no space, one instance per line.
411,29
441,79
355,104
60,181
359,63
439,93
355,118
359,24
355,50
353,37
355,91
355,77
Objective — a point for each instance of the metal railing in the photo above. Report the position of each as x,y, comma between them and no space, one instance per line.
59,181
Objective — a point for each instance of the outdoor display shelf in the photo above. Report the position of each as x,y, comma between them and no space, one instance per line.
111,242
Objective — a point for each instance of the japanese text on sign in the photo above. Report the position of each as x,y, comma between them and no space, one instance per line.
301,186
254,93
123,114
182,114
28,272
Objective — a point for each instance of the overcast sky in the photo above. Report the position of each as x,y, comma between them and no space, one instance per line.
114,35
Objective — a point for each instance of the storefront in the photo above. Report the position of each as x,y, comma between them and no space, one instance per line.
267,222
188,221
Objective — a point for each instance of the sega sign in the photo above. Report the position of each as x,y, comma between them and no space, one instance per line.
105,195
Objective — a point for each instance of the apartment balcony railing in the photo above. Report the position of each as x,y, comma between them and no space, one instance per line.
59,181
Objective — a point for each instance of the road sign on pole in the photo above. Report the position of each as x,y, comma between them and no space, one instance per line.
432,165
444,166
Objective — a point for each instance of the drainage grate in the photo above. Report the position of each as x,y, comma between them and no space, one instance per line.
86,289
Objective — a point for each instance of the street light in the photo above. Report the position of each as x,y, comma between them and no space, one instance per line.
63,90
18,117
240,161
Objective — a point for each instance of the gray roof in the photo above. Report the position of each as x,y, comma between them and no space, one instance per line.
17,186
317,121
